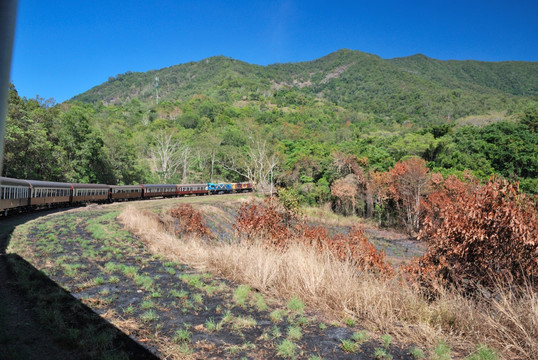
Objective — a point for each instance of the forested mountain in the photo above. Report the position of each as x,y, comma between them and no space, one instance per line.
221,119
414,88
511,77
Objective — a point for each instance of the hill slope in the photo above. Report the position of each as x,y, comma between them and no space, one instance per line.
415,87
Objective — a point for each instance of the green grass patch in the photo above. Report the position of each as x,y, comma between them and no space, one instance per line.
294,333
296,305
277,315
182,336
361,336
483,352
349,346
286,349
149,316
241,294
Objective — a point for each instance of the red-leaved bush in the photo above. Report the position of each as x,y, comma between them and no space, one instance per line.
478,235
409,183
270,222
189,221
266,221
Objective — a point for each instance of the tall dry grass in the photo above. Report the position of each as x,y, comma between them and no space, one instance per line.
505,322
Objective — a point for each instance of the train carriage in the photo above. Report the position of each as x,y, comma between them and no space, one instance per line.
192,189
242,187
14,193
125,192
48,193
83,193
159,190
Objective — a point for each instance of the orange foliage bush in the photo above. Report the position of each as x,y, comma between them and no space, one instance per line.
478,235
262,221
189,221
268,221
356,248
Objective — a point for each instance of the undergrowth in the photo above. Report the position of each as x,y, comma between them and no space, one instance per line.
293,266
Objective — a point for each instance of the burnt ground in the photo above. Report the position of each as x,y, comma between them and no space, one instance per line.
75,279
26,331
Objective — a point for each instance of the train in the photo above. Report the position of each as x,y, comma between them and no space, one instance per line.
20,195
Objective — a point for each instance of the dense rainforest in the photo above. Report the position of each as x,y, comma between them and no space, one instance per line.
295,124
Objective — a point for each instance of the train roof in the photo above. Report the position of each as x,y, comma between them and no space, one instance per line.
13,182
90,186
159,185
41,184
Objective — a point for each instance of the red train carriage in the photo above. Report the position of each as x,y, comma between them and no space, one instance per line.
192,189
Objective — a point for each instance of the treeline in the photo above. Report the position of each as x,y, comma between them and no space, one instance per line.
51,142
297,147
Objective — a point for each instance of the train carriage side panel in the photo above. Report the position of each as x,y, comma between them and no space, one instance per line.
14,194
125,192
192,189
90,193
49,193
220,188
160,190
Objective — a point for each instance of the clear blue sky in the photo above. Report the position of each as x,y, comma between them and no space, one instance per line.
65,47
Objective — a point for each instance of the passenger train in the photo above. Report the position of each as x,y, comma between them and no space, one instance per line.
19,195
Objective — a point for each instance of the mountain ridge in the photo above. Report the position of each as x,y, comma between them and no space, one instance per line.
348,78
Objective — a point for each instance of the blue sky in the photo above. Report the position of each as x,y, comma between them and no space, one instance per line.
65,47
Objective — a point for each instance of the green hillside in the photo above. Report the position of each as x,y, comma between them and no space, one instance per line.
511,77
415,88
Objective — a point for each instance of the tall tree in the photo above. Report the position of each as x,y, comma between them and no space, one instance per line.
409,183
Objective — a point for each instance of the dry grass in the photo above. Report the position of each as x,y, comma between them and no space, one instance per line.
128,326
484,119
505,322
324,215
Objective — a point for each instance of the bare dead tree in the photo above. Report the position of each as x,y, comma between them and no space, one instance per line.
186,158
164,155
257,164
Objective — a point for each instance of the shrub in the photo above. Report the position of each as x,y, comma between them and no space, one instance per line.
277,226
478,235
262,221
189,221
